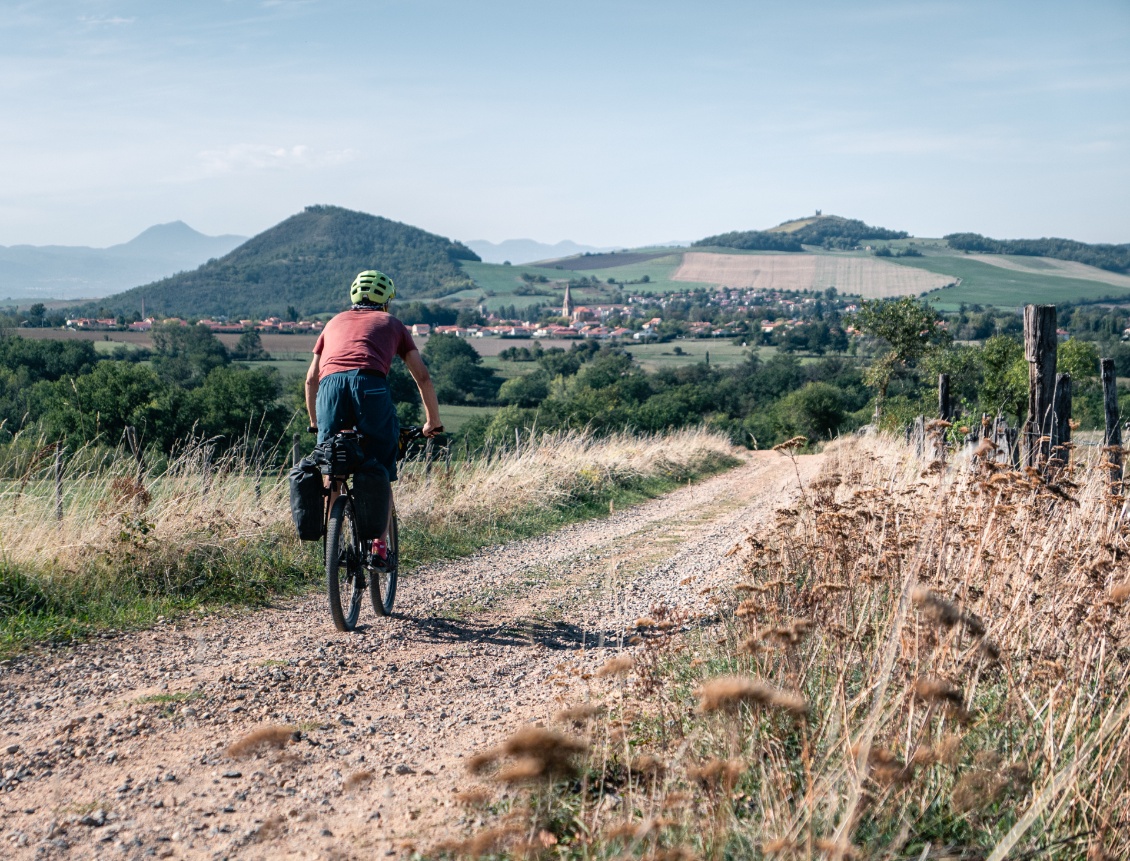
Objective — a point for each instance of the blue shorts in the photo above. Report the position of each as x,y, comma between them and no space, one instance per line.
353,399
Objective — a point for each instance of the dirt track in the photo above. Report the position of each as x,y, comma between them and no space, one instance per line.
118,748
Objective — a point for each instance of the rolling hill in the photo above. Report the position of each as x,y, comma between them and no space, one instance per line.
44,272
307,263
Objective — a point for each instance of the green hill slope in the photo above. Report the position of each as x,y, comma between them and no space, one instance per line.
306,262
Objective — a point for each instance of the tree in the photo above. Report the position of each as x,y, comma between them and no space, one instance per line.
249,348
185,355
1004,386
457,371
1078,358
908,327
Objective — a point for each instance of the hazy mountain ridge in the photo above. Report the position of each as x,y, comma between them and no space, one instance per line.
76,271
530,250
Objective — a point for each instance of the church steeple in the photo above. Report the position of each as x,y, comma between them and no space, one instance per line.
567,305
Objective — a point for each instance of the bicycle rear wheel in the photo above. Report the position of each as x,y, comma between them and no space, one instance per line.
382,582
345,571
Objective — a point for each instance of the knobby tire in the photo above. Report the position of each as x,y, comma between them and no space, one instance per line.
344,566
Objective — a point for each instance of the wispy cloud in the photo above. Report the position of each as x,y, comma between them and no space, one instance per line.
103,21
245,157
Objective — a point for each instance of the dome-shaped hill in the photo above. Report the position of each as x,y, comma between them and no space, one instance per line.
307,262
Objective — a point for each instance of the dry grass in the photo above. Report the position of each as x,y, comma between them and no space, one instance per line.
198,527
949,652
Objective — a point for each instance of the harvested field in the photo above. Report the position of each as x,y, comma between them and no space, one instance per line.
1048,266
863,276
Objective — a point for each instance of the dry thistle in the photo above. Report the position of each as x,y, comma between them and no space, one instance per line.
791,445
262,739
790,634
834,850
540,753
727,693
616,666
751,646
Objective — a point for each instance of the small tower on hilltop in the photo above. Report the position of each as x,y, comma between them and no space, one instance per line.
567,305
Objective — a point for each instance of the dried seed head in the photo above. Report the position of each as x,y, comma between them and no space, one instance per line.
616,666
727,693
1120,592
476,797
263,739
578,714
357,779
717,773
648,766
934,607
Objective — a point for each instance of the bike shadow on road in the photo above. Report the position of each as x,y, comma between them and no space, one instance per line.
517,632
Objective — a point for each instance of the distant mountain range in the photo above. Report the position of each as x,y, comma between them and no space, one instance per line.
307,263
519,251
78,272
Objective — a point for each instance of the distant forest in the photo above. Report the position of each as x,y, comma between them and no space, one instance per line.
1113,258
827,231
307,262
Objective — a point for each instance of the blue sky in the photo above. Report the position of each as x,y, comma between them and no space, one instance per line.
609,123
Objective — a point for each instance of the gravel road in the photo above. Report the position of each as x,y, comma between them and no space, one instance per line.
119,747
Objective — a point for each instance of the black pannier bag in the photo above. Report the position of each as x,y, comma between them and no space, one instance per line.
307,499
339,455
370,502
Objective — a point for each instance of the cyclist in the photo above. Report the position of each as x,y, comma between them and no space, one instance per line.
346,385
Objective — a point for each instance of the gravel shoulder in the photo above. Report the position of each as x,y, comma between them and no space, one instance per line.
119,747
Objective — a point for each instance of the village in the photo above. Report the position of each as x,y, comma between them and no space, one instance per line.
719,313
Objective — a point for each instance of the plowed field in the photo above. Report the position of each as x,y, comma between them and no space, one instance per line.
863,276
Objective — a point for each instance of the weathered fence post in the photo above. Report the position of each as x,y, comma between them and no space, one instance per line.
1061,421
1040,346
58,481
135,448
207,478
919,435
945,409
295,451
1112,439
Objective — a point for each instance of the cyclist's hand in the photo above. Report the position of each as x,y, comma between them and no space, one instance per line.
431,429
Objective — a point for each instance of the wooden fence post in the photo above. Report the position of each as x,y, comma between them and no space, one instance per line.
135,447
207,471
945,409
1040,346
1112,439
1061,421
295,451
58,481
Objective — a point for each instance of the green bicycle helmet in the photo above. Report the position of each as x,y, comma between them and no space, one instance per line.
371,287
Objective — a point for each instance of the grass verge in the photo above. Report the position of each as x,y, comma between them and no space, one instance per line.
129,552
920,661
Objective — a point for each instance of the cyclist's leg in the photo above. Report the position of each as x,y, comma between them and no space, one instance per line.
336,410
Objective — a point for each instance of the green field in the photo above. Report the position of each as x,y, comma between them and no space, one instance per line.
498,285
723,353
454,417
985,284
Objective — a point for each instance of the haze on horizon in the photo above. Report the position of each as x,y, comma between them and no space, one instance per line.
619,123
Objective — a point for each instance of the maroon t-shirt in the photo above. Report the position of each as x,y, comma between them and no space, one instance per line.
362,341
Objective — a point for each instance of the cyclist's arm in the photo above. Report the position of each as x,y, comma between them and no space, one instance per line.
419,372
312,390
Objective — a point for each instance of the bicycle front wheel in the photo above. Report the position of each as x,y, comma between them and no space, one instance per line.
382,582
345,571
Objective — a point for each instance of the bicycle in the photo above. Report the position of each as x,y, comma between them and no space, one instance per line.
349,561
